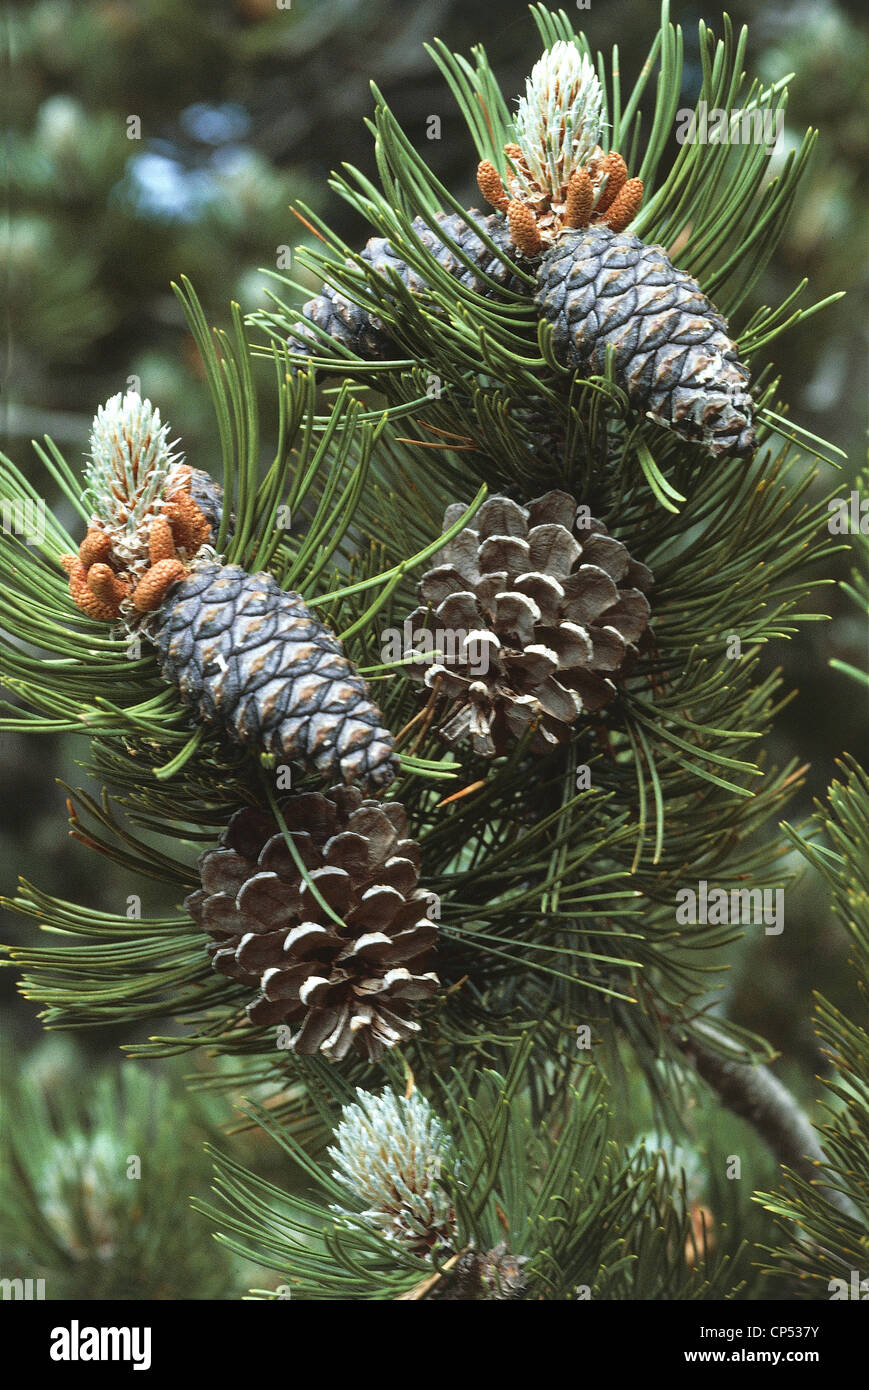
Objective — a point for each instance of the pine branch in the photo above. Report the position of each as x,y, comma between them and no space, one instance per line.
555,899
858,588
540,1202
755,1094
825,1222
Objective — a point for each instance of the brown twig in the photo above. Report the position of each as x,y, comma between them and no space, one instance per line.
756,1095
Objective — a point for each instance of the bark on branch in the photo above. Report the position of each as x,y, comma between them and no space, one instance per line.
756,1095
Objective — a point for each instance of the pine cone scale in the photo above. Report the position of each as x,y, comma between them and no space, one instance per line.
600,289
554,614
352,982
253,658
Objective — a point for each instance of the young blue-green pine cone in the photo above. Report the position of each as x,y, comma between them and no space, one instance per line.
356,328
390,1153
249,656
672,355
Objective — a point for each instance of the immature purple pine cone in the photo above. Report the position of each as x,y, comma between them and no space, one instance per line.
238,648
208,496
494,1274
249,656
354,982
672,355
562,209
362,332
598,288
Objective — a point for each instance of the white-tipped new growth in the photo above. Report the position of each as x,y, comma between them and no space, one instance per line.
390,1152
131,470
558,121
130,461
84,1194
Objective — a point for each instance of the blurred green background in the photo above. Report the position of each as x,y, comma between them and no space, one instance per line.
150,139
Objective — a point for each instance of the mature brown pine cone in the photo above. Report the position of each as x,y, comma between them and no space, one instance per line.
250,656
353,982
528,622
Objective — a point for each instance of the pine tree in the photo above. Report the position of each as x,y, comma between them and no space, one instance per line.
458,965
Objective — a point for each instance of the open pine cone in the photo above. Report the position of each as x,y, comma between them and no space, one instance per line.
350,983
531,621
491,1275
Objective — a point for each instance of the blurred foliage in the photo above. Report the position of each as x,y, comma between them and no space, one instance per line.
823,1241
97,1171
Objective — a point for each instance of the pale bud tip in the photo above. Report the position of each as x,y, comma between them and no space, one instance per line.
558,121
131,457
